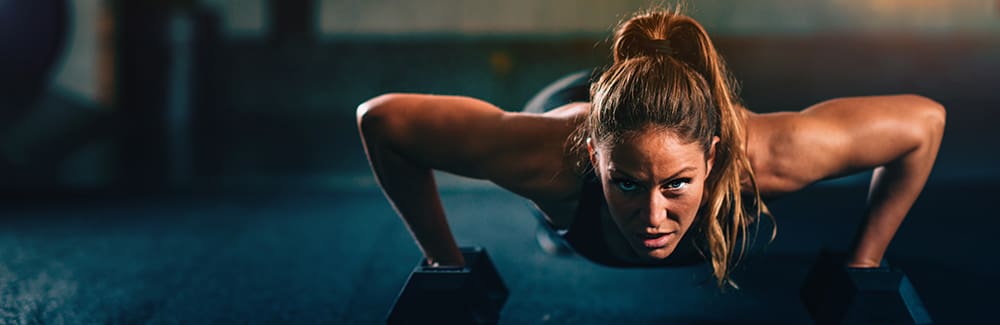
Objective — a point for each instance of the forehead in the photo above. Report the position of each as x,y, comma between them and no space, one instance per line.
654,148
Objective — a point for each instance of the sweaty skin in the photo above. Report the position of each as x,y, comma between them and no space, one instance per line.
654,185
898,136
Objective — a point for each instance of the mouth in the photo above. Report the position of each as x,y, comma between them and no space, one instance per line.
654,241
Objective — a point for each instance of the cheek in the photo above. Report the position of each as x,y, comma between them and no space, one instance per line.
687,207
690,205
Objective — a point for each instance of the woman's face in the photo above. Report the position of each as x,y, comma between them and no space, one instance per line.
653,183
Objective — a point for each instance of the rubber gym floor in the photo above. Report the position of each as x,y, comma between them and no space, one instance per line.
341,256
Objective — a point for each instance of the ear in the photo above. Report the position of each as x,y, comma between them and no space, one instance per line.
710,161
591,152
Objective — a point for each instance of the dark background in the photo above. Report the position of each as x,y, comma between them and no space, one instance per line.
199,160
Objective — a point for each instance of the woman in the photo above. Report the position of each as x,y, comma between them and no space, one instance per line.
662,164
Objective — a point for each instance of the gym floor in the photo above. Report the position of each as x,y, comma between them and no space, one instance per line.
342,256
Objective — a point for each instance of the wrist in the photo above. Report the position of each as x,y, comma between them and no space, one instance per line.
863,263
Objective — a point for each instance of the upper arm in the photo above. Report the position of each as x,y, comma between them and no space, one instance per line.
846,135
466,136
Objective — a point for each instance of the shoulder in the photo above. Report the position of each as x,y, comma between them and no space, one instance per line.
558,187
549,137
773,140
791,150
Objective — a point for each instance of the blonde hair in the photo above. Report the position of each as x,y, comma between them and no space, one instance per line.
667,75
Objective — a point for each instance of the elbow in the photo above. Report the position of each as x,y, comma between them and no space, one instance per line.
376,116
373,111
932,114
927,121
940,116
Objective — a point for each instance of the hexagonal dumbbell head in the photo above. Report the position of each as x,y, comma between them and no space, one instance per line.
474,294
835,294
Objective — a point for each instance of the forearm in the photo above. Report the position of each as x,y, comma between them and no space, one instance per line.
409,186
894,189
413,194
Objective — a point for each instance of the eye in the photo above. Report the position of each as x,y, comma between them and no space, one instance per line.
626,186
678,184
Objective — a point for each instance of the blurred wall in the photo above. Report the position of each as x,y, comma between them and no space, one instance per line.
595,16
266,112
246,18
241,19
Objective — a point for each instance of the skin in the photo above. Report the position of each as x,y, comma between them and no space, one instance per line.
653,184
898,136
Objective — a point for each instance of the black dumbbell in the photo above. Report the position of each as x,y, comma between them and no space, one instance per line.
836,294
473,294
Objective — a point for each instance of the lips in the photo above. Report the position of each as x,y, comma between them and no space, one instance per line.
656,240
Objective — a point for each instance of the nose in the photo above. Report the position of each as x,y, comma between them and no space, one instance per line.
656,211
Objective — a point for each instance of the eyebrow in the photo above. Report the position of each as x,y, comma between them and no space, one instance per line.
671,177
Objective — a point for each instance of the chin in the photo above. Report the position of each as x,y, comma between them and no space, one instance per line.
659,253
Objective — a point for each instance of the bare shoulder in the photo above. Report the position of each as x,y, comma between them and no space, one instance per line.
542,142
837,137
561,199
